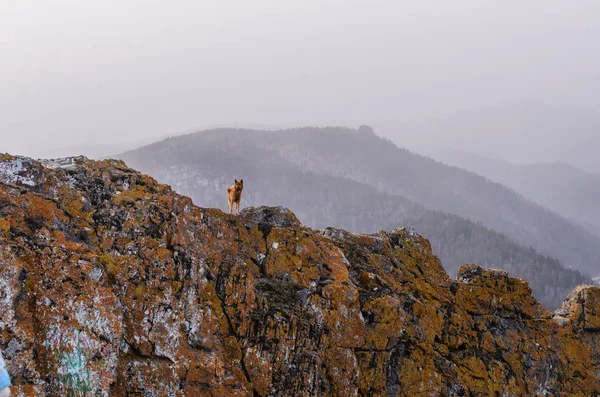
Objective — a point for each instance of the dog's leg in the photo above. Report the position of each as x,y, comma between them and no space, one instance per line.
237,205
230,207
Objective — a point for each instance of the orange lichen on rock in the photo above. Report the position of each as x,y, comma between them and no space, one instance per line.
113,284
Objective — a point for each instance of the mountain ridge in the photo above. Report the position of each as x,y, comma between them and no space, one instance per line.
562,187
520,132
149,294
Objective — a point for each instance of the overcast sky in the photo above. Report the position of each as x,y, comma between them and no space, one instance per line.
76,72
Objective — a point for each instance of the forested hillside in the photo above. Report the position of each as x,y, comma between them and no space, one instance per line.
561,187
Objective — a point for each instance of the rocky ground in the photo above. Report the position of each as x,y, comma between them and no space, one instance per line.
112,284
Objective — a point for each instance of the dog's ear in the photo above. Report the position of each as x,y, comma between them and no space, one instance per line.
241,181
236,181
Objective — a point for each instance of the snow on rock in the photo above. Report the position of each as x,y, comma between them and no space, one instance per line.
15,170
67,163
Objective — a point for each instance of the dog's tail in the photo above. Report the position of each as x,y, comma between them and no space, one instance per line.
228,190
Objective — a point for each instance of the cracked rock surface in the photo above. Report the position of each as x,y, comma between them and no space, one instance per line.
113,283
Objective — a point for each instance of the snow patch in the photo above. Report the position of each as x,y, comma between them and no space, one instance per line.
261,258
10,286
12,172
96,274
67,163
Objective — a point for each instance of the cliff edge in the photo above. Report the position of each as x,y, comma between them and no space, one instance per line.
112,284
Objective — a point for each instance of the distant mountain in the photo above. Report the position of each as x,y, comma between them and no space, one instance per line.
522,132
202,165
561,187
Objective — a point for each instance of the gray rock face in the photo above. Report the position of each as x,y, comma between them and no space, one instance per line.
272,216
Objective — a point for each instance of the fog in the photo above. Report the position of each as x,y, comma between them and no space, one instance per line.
113,74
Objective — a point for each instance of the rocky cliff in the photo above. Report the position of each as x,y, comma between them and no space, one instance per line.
112,284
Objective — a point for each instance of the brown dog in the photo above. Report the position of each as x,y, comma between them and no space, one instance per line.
234,195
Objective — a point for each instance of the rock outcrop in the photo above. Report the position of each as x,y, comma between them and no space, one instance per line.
112,284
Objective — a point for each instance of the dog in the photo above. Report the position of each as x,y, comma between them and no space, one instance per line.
234,195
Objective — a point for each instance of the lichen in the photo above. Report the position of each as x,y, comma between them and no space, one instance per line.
112,279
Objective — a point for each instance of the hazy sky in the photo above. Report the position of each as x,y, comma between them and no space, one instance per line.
79,72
